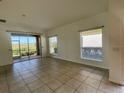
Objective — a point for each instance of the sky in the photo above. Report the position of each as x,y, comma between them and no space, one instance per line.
92,40
23,39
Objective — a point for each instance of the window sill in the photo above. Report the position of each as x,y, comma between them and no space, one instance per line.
88,59
54,54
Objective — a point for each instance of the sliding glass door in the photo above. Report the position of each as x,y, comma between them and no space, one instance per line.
24,46
32,46
15,49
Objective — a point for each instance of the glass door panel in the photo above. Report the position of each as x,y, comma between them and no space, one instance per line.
24,46
32,46
15,49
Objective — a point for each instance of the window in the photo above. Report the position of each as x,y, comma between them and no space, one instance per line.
91,44
53,46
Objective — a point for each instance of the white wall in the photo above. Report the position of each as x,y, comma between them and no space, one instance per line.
5,45
116,34
5,42
69,39
44,45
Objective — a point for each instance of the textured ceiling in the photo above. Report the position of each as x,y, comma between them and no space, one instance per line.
47,14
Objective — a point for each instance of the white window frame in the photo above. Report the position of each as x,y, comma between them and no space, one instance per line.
81,40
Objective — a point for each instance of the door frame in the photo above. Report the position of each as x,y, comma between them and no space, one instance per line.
38,44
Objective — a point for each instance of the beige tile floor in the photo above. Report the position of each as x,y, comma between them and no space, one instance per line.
55,76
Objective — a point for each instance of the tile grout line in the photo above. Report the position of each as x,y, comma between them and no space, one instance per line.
25,83
42,82
100,83
7,80
76,90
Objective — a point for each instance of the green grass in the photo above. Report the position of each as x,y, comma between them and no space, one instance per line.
24,49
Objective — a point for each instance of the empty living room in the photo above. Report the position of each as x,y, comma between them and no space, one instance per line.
61,46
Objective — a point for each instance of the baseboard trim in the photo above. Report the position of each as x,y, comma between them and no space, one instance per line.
79,63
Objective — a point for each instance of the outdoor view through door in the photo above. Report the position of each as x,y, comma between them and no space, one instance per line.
24,46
